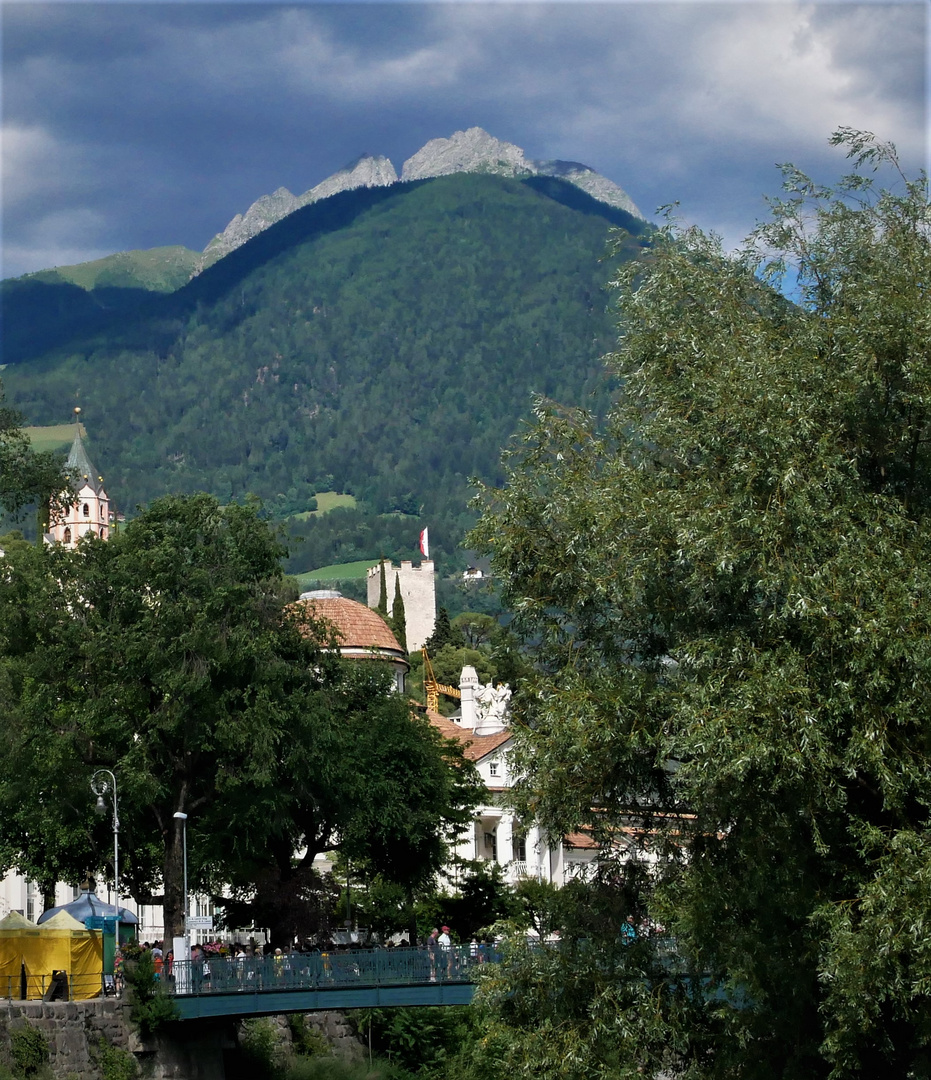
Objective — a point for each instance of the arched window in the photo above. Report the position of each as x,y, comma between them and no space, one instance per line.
102,533
67,537
87,510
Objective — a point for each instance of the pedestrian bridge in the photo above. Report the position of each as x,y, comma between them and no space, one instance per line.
221,986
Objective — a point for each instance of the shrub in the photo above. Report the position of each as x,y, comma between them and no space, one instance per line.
261,1051
150,1005
306,1041
418,1040
114,1063
29,1050
330,1067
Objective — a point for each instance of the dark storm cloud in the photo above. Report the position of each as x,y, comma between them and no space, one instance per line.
132,125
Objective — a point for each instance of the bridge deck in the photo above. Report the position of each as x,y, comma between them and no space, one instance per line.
305,982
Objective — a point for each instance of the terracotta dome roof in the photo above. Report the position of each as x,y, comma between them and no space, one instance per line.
359,627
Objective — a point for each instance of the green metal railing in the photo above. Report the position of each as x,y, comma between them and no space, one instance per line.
215,974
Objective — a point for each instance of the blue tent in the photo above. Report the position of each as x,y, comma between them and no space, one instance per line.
89,905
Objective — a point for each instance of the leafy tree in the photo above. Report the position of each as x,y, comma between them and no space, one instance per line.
164,656
25,476
365,778
726,589
449,662
475,627
398,618
47,830
482,899
539,903
168,655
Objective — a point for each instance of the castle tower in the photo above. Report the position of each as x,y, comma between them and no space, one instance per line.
90,510
418,591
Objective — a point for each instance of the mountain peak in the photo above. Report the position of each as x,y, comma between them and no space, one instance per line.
473,150
366,171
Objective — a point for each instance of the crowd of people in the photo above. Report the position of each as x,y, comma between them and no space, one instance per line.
219,965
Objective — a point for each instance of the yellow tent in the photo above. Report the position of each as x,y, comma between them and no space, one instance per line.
11,928
60,944
15,921
86,953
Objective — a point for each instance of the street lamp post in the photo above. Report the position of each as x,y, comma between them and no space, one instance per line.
181,945
187,909
100,786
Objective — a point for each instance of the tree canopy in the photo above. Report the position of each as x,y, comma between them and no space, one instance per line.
25,476
168,655
726,586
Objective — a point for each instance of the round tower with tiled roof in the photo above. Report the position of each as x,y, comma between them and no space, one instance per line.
89,512
361,632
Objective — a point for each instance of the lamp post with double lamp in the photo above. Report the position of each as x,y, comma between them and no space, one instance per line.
180,946
100,786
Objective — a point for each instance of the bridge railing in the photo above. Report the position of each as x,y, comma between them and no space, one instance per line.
215,974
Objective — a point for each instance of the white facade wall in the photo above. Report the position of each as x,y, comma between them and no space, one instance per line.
496,835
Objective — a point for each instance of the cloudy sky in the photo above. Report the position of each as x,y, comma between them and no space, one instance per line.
133,125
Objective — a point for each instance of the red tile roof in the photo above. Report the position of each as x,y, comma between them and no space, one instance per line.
475,746
358,627
580,840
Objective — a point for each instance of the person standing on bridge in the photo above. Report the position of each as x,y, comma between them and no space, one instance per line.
447,946
433,947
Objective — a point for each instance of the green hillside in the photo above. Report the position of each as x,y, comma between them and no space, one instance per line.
327,501
383,343
53,436
161,269
339,572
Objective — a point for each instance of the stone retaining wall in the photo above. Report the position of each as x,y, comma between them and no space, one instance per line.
74,1029
192,1050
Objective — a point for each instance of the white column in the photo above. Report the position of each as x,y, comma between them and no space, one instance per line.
468,684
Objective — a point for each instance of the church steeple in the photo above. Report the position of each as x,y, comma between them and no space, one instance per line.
89,511
80,467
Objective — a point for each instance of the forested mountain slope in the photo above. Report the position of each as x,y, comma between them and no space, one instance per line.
384,341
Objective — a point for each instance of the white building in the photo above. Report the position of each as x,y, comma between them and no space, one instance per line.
520,848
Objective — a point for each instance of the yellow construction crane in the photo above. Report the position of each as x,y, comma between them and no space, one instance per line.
433,689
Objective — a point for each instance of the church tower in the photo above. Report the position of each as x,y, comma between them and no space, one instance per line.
90,510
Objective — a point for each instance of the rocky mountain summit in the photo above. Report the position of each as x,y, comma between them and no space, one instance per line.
477,151
474,150
464,151
365,171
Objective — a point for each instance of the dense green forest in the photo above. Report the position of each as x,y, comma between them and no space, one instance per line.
383,342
